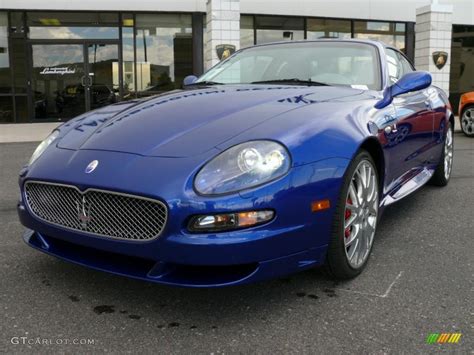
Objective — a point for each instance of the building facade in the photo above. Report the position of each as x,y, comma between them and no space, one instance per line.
56,63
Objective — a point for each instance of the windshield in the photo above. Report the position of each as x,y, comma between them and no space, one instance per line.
332,63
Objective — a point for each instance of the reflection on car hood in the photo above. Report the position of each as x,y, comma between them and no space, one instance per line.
190,122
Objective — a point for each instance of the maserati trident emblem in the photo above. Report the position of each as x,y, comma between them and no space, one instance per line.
440,58
83,211
91,167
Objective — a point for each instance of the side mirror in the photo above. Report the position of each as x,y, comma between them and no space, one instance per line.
189,80
414,81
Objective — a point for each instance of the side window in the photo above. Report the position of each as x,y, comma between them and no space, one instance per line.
395,68
398,65
406,66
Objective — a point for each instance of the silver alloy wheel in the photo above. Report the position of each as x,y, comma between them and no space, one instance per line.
360,217
467,121
448,153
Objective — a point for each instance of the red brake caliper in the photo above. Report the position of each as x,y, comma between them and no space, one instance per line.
347,215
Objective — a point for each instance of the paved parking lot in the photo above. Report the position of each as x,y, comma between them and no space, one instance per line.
419,281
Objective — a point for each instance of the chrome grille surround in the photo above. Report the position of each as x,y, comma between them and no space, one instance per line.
96,212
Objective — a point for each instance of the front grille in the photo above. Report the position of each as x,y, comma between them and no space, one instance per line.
98,212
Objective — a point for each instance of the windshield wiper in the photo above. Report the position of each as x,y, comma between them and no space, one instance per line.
205,82
296,81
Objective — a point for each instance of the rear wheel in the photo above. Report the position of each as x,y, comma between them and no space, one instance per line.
445,166
355,221
467,121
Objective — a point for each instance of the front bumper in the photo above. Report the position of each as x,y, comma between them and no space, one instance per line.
171,273
295,240
184,260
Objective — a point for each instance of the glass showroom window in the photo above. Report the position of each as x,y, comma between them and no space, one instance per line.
128,56
72,25
6,109
164,45
5,78
19,65
277,29
326,28
390,33
246,31
6,101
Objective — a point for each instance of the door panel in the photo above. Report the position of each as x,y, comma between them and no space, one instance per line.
407,134
410,132
57,73
415,127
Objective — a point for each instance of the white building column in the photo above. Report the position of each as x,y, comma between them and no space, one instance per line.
222,27
433,29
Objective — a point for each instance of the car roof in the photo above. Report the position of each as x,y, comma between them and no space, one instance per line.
339,40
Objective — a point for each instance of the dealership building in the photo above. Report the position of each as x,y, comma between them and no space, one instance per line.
59,59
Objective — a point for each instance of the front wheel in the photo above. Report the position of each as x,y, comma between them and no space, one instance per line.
445,166
355,219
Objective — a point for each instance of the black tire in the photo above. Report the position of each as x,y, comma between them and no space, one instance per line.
337,264
440,177
463,129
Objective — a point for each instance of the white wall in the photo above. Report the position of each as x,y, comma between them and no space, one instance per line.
393,10
108,5
433,33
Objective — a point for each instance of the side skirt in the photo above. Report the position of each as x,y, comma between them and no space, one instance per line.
408,183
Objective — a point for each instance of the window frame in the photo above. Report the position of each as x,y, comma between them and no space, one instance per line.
399,56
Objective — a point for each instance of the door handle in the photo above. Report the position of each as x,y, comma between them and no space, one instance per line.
86,81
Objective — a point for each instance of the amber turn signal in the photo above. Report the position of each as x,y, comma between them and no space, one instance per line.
321,205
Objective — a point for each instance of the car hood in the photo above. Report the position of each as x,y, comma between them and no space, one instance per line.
190,122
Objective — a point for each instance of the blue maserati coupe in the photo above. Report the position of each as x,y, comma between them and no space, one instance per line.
280,158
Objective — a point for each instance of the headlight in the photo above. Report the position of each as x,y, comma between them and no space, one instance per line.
43,145
243,166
